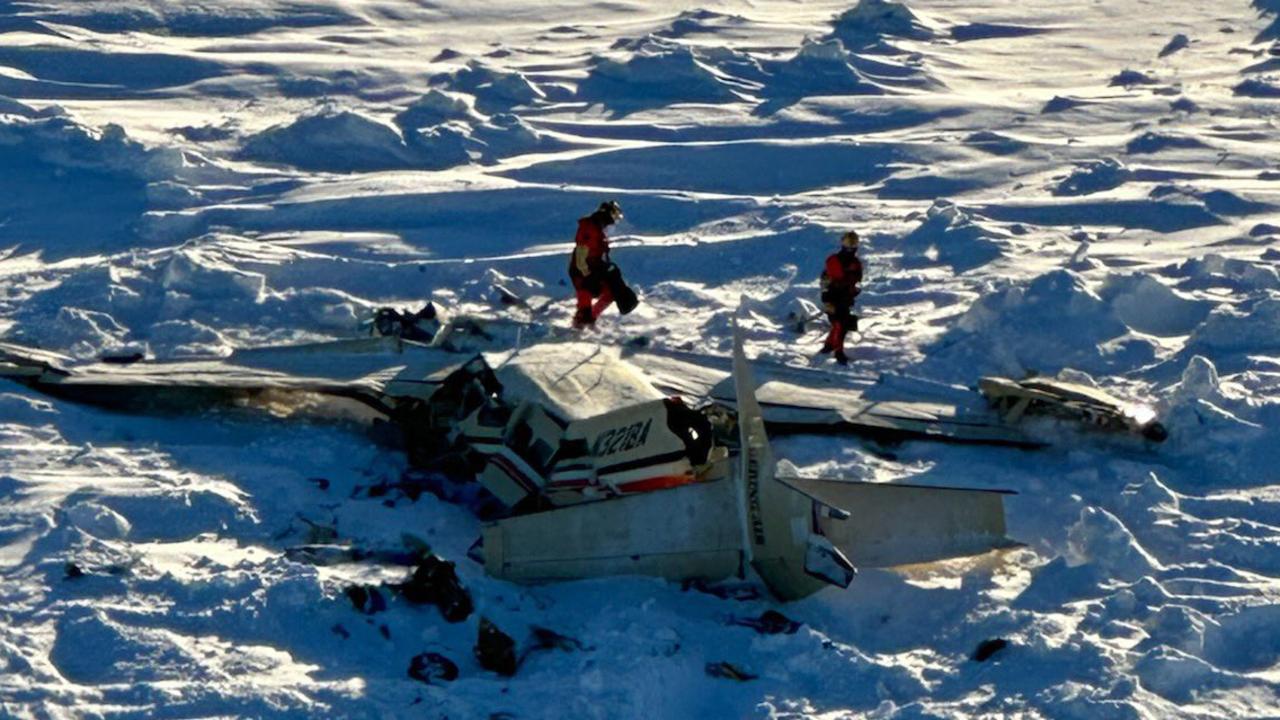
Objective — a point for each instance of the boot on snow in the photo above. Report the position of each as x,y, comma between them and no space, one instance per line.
583,318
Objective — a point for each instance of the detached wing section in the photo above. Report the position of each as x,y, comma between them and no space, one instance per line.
375,371
798,400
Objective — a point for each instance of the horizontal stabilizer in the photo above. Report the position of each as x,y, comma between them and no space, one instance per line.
891,524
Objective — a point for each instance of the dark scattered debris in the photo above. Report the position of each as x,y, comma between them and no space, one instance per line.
420,326
547,639
770,622
1176,43
992,31
1061,104
987,648
126,359
429,667
435,582
1129,78
366,598
340,631
204,133
495,650
729,671
724,591
1254,87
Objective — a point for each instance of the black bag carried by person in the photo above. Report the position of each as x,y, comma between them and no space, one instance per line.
623,295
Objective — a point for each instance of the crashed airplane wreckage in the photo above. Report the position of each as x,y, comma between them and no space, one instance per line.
601,470
691,513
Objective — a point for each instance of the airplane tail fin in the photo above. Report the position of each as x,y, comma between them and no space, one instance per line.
803,532
782,538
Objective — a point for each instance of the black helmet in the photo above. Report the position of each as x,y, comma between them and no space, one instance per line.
610,208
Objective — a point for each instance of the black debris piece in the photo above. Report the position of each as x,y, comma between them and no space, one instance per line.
366,598
725,591
987,648
546,639
770,622
430,667
495,650
729,671
435,582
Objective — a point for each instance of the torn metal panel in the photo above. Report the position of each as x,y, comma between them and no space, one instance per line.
682,533
1090,406
572,380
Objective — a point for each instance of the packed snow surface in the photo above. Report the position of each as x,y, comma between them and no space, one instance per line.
1053,186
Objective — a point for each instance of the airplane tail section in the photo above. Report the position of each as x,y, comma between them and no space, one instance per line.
783,539
803,532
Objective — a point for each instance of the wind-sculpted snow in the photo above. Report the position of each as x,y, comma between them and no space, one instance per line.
70,188
948,236
1001,332
758,168
1166,214
1084,190
434,132
196,19
337,142
494,89
1092,177
869,25
659,73
821,68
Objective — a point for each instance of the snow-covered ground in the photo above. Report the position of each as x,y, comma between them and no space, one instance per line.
1042,185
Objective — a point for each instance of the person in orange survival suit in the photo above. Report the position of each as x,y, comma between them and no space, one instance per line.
594,275
841,279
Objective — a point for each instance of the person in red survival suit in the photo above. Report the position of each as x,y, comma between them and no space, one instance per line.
589,265
841,276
